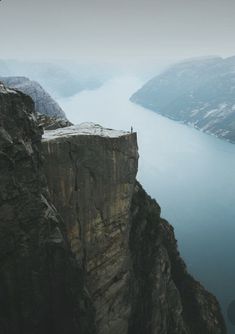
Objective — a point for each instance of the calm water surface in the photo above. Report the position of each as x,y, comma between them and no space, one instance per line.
191,174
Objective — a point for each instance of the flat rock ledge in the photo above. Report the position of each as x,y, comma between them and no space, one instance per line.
85,129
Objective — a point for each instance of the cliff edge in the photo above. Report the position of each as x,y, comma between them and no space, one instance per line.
137,280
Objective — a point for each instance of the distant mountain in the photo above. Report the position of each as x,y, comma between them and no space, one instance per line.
199,92
60,80
44,104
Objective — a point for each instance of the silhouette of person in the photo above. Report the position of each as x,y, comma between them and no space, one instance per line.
132,129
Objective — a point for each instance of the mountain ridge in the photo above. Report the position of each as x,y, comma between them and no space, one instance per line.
199,92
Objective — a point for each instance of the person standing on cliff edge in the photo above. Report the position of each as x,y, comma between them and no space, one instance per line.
131,129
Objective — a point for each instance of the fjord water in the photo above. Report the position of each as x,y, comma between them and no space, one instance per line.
191,175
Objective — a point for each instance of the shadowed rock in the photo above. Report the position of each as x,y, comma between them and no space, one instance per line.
41,285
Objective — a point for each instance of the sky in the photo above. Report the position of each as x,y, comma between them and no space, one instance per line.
124,31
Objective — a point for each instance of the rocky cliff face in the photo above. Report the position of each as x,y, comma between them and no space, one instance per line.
165,298
91,175
198,92
42,287
137,280
91,254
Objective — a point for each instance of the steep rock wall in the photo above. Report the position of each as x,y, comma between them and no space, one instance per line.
91,180
165,297
41,285
136,278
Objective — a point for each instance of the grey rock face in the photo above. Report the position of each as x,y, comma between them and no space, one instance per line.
198,92
165,298
134,273
44,104
91,180
41,285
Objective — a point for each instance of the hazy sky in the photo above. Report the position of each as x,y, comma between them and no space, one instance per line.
110,30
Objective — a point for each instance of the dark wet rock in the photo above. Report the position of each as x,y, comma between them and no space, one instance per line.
42,287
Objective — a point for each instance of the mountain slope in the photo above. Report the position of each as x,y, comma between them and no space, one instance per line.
44,104
198,92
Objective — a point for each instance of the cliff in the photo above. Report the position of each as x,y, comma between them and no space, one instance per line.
83,247
137,280
42,287
197,92
94,169
165,298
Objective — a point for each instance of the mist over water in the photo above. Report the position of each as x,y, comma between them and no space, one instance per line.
190,174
